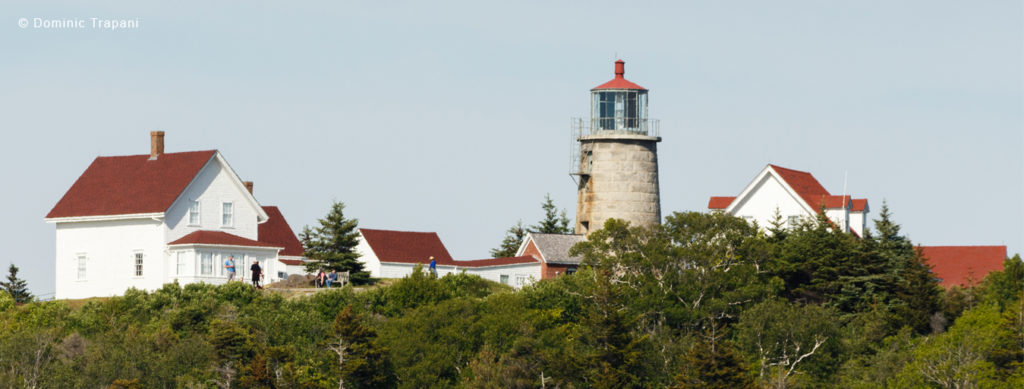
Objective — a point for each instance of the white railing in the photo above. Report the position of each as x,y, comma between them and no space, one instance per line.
606,126
601,126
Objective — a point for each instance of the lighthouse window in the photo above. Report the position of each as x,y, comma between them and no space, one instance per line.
631,110
606,110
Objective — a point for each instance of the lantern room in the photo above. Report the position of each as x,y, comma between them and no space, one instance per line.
619,105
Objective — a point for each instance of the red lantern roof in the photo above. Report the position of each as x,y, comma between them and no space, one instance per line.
620,81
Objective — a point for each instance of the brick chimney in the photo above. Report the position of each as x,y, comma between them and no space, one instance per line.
248,186
156,144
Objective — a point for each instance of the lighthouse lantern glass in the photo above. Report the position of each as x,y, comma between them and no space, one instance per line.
619,110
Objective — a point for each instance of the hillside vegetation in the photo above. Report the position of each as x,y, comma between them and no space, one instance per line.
703,301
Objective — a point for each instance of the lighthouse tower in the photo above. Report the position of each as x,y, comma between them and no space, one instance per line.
615,157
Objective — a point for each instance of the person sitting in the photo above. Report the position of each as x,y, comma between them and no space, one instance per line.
320,279
332,278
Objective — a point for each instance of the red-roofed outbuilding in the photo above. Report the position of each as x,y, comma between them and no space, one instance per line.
394,254
963,265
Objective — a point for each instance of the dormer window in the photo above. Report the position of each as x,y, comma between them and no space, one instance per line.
227,214
193,213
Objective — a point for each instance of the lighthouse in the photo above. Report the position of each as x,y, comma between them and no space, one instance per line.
615,157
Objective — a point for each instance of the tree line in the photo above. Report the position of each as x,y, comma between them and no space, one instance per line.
704,300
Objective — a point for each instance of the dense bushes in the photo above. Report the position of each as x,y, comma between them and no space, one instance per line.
703,301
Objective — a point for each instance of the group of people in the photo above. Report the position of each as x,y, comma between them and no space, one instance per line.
257,271
325,280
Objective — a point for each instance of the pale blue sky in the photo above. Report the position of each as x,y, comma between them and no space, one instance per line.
454,116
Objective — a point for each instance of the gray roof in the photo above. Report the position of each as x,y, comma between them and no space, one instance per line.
555,247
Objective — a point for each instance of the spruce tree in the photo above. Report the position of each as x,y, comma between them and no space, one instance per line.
513,238
553,222
363,363
331,246
715,364
615,356
914,292
16,287
777,226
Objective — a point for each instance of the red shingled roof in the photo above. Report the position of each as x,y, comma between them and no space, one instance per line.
496,261
220,238
963,265
804,184
130,184
277,232
720,202
620,81
407,246
859,205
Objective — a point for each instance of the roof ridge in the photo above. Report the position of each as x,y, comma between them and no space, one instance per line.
147,155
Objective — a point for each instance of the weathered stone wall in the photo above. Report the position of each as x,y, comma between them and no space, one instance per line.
619,180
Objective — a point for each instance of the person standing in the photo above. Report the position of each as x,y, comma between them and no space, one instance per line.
433,266
256,272
229,266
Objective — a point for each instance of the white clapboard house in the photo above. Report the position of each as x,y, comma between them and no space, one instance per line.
145,220
795,195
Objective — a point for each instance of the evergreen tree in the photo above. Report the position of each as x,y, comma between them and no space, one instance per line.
914,292
715,364
616,356
364,364
17,288
777,227
553,223
513,238
331,246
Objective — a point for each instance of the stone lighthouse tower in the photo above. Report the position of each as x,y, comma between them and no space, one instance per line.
615,157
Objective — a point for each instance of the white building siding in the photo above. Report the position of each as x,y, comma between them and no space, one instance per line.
857,222
214,185
767,196
299,269
840,217
370,261
518,274
108,248
244,257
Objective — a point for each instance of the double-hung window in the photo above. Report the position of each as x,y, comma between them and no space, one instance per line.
138,257
206,264
180,268
80,261
227,214
193,213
